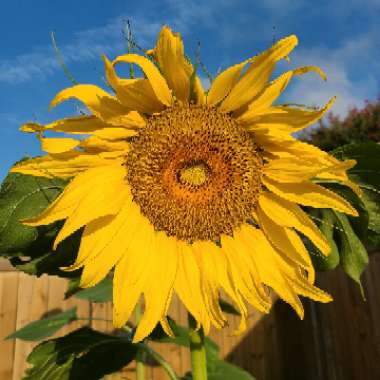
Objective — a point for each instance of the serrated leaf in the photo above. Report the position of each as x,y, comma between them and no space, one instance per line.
102,292
44,328
23,196
331,261
82,354
353,254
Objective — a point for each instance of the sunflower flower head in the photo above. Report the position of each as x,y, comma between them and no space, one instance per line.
179,190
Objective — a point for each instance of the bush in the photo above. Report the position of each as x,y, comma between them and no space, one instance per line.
358,126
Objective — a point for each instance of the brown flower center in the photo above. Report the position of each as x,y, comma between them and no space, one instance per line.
195,172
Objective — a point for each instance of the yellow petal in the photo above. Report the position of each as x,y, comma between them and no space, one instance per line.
58,145
157,82
64,165
188,284
114,133
177,70
132,273
272,268
106,198
134,94
214,269
310,194
66,203
304,288
250,284
76,125
163,269
257,75
200,96
98,101
288,214
110,248
100,232
287,242
94,144
271,92
307,69
288,119
223,83
268,96
292,169
131,119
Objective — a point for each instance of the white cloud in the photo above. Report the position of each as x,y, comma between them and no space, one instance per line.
341,66
107,39
86,45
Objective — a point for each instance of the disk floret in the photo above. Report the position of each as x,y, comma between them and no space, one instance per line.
195,173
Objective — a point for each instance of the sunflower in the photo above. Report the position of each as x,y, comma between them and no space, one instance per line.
193,192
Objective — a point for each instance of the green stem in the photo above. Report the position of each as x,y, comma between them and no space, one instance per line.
156,356
197,351
140,357
161,361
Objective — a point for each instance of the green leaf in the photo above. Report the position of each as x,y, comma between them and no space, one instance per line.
222,370
227,307
102,292
72,287
43,260
366,174
371,200
44,328
331,261
82,354
23,196
367,155
354,256
219,369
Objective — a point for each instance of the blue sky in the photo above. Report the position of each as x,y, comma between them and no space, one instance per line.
341,36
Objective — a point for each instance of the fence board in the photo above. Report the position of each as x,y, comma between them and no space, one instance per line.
8,317
336,341
32,305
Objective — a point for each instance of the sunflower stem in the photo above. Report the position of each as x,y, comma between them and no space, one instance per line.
140,357
197,351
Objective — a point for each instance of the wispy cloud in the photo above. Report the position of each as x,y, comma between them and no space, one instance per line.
342,66
107,39
85,46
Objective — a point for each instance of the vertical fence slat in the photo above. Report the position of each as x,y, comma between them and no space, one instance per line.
8,317
32,305
336,341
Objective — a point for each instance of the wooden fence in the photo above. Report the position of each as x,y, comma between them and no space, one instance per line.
336,341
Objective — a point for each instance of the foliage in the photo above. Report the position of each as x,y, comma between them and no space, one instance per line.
360,125
82,354
46,327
